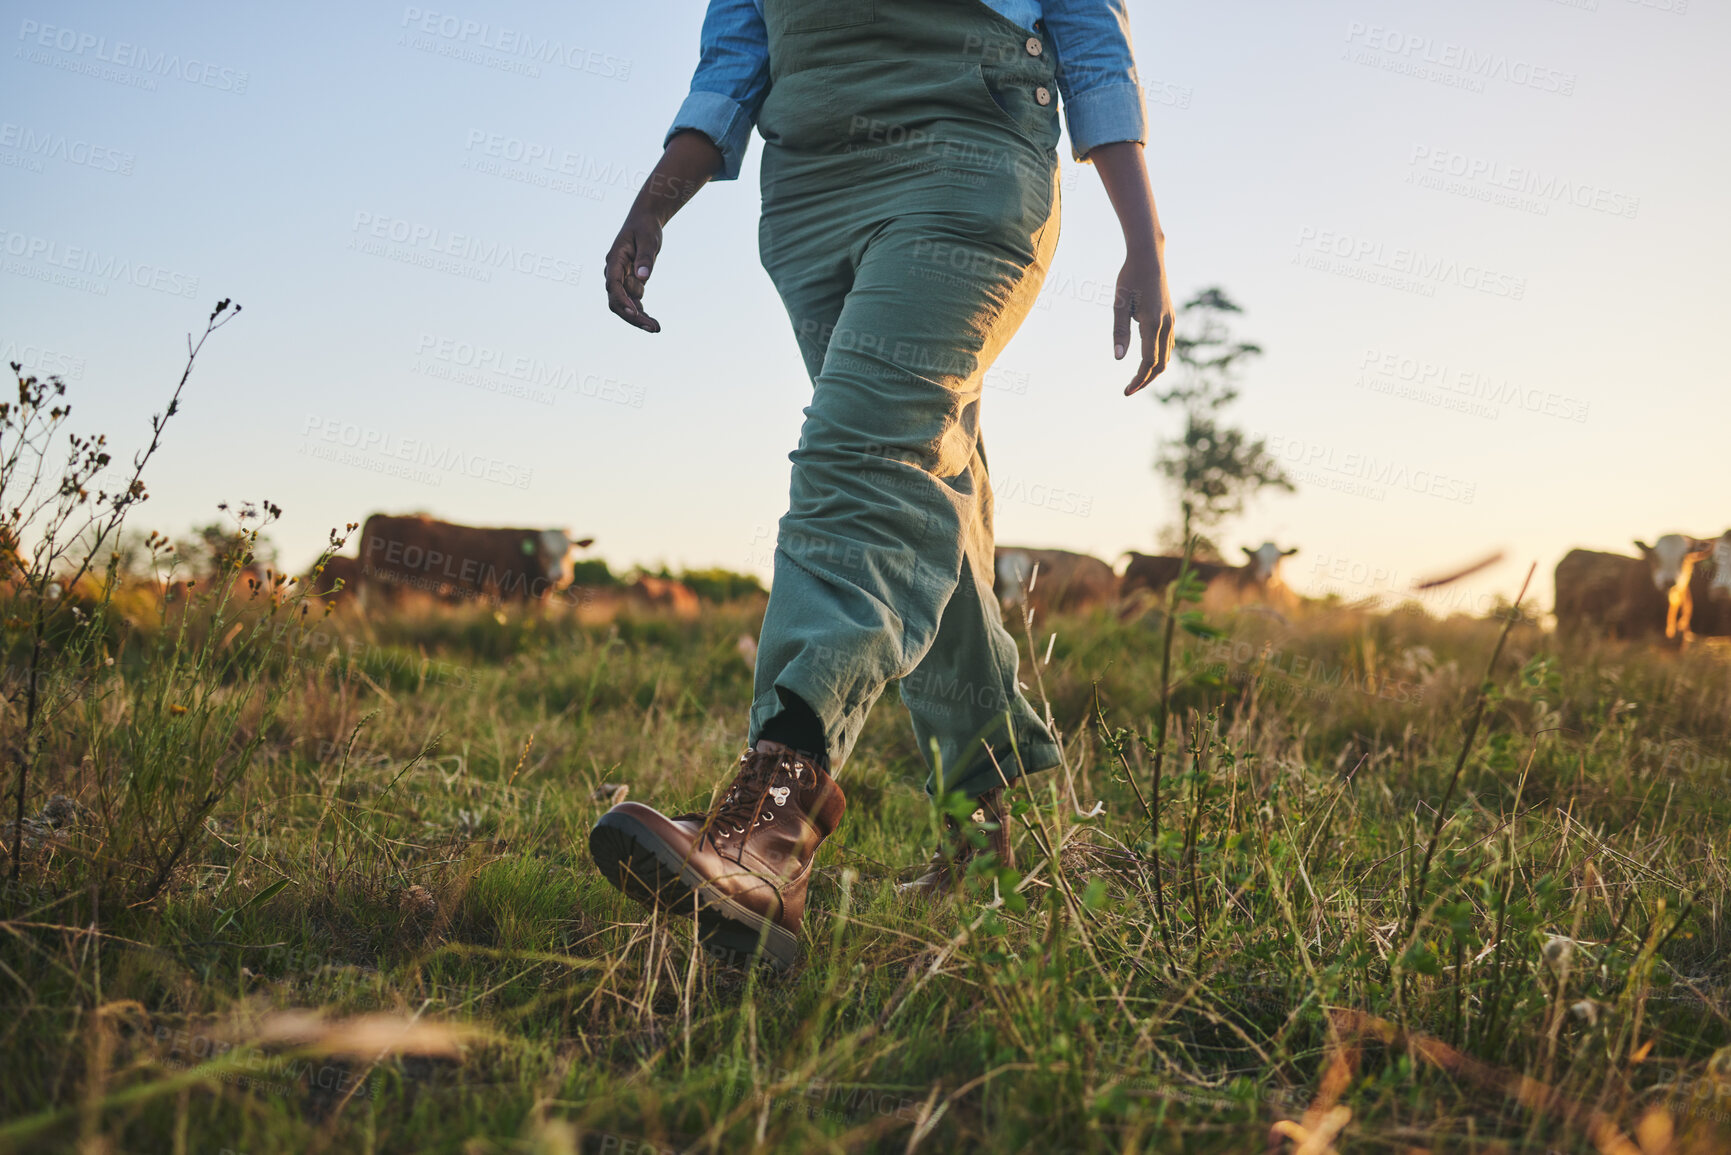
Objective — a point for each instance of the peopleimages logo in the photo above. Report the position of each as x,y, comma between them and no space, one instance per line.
1387,368
1410,52
552,158
37,359
92,270
1495,176
480,34
134,58
1403,267
533,372
58,146
547,166
1042,495
378,451
439,248
1313,458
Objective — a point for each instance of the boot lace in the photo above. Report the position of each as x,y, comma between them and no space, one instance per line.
746,802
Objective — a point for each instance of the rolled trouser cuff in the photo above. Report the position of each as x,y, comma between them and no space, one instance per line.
1032,752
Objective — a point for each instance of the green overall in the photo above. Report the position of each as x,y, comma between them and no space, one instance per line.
910,211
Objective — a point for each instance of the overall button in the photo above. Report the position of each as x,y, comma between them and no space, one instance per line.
1034,48
1043,94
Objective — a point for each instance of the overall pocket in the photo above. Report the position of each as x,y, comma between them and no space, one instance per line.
822,15
1012,98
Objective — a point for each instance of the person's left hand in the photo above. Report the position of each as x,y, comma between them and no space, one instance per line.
1143,294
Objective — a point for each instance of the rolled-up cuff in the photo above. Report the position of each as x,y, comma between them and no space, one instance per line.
1032,753
723,120
1105,115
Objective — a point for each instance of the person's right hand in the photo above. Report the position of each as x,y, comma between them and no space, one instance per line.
686,165
629,263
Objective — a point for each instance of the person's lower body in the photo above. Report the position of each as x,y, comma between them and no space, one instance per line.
910,213
902,285
884,562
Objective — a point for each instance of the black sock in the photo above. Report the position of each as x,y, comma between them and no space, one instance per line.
798,726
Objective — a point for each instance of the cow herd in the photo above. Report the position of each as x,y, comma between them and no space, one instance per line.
1678,587
1055,579
419,558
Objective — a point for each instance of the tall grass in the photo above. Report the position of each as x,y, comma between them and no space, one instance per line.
317,882
399,846
161,713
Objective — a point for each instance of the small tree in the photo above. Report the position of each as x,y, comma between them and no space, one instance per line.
1215,467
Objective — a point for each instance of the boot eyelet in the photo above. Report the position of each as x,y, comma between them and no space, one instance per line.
766,816
737,829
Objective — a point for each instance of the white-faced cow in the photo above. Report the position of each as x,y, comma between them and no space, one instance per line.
1061,580
1263,566
463,562
1709,602
1671,560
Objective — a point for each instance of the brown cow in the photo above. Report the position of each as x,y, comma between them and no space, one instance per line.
660,593
1258,579
1608,593
1063,580
1154,572
459,563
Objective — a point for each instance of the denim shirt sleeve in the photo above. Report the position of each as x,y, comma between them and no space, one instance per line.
731,81
1096,72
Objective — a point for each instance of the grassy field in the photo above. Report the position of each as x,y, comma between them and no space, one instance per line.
382,931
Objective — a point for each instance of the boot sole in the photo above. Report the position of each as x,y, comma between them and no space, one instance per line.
647,870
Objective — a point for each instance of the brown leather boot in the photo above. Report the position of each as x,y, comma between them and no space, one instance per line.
988,829
743,867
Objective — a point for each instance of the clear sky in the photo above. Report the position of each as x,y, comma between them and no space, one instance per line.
1483,243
